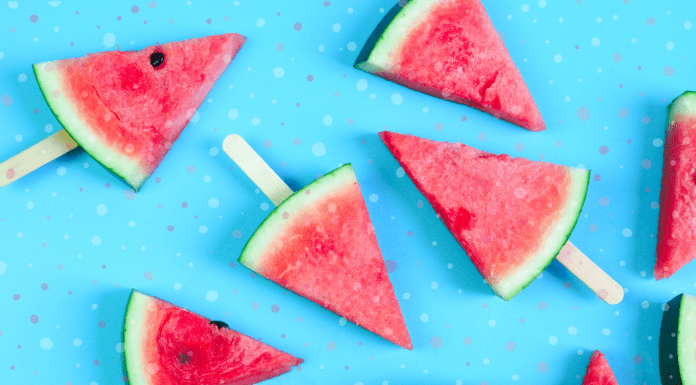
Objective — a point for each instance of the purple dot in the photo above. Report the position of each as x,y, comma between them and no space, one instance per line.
327,3
224,18
650,21
15,297
7,100
463,118
170,228
542,367
597,177
148,275
267,143
298,26
623,112
129,194
351,121
637,359
604,201
645,120
558,143
296,141
184,205
510,346
191,169
654,205
135,9
646,163
436,342
668,70
467,341
34,319
616,57
542,305
603,150
119,18
152,4
96,362
310,78
275,308
102,324
439,126
33,18
519,146
566,285
44,286
157,180
593,228
484,305
237,234
583,114
390,265
209,21
280,47
232,264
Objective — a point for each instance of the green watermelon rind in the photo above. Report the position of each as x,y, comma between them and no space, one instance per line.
524,275
69,118
268,229
683,106
678,354
378,60
132,337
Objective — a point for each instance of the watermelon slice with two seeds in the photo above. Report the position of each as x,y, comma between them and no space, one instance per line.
512,216
167,345
676,232
598,371
320,244
450,49
126,108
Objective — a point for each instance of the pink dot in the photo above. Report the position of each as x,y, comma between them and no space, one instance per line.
33,18
144,21
36,110
118,18
157,180
170,228
108,185
298,26
184,205
637,359
310,78
135,9
10,173
209,21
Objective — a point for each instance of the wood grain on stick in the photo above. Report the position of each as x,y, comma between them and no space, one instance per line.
590,274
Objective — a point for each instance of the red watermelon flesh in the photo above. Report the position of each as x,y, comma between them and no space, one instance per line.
168,345
676,232
450,49
511,215
598,371
126,108
320,244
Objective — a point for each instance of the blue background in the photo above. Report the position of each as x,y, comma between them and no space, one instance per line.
79,229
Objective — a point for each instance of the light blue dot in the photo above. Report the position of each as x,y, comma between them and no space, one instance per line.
278,72
3,267
213,202
96,240
318,149
101,209
233,114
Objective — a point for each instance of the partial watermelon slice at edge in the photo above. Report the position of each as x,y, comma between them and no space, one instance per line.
422,158
678,341
127,113
347,275
173,349
598,371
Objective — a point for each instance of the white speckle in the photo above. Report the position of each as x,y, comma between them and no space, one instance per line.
265,206
515,377
553,340
30,205
336,27
213,151
109,40
3,267
645,304
203,229
558,58
396,98
433,285
327,120
486,361
616,17
400,172
12,4
96,240
18,138
627,233
211,296
491,323
342,321
657,142
318,149
20,235
49,127
407,295
352,46
525,7
54,3
22,77
509,17
687,25
206,179
255,121
321,48
599,20
670,45
77,342
362,85
46,343
542,3
373,198
131,224
606,331
424,317
233,114
372,96
595,41
213,202
560,19
572,331
177,286
278,72
260,22
101,209
634,40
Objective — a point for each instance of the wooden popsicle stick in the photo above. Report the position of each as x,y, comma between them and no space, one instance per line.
35,157
258,171
590,274
277,191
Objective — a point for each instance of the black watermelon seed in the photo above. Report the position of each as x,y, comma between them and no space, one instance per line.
220,324
156,59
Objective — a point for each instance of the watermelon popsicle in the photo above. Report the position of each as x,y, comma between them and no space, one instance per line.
676,231
319,243
511,216
125,108
450,49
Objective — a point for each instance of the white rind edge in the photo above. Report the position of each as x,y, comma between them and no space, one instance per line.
524,275
686,339
683,106
132,337
255,247
80,132
384,51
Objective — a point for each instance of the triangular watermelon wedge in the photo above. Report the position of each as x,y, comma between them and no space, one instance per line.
165,344
598,371
320,244
449,49
126,108
512,216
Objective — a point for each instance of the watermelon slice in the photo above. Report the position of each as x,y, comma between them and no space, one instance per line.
511,216
598,371
320,244
678,341
450,50
167,345
676,231
126,108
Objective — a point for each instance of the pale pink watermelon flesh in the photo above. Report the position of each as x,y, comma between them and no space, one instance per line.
168,345
320,244
676,232
511,216
598,371
125,111
450,49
